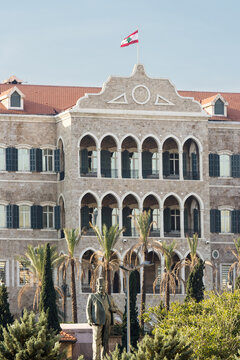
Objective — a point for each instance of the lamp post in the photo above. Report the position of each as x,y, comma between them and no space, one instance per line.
128,269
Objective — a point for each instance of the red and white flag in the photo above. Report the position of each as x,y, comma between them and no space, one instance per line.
130,39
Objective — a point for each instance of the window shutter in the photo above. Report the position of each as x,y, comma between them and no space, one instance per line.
235,165
57,160
57,217
85,217
33,160
217,221
14,159
36,217
125,164
11,159
212,220
194,166
15,216
39,160
9,216
146,163
235,221
167,220
238,221
186,221
184,164
196,221
107,216
127,221
84,161
214,165
166,163
106,163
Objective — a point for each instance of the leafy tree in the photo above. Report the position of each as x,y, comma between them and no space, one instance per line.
134,323
168,346
212,326
236,264
169,277
27,339
5,315
195,287
48,293
105,258
34,261
72,237
143,226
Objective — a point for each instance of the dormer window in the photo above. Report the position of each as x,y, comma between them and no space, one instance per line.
219,107
15,100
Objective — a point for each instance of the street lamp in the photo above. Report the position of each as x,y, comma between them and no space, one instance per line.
128,269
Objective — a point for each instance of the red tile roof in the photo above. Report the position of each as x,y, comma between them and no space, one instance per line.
51,100
65,337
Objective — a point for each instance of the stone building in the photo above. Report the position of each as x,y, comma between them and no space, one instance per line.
70,155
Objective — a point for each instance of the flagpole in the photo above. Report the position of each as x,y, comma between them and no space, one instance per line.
138,51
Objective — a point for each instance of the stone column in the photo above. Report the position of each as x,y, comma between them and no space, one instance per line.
119,162
98,162
181,165
99,218
161,223
140,164
200,166
182,223
160,164
202,223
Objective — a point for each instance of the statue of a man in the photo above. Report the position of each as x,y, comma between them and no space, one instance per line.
100,309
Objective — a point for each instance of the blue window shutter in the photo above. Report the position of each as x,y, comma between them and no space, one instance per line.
194,159
84,161
39,160
33,165
9,216
146,163
57,217
217,221
211,164
166,163
106,163
57,160
125,164
11,159
235,165
127,221
184,164
85,217
36,217
107,216
235,221
15,216
14,159
167,220
186,221
216,165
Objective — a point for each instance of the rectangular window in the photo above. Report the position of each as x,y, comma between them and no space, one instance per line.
24,217
48,220
175,220
225,167
24,275
156,219
3,271
47,160
226,280
2,159
225,221
155,164
135,213
23,160
174,164
134,165
3,218
115,218
114,165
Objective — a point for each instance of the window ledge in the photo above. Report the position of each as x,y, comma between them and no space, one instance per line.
48,229
3,171
5,228
23,172
25,229
48,172
225,177
225,233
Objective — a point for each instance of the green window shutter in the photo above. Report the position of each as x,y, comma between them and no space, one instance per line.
33,163
186,221
194,160
38,160
184,164
107,216
167,220
84,161
146,163
36,217
235,165
211,164
166,163
238,221
125,164
212,220
15,216
217,221
196,221
11,159
9,216
85,217
127,221
216,165
106,163
234,221
57,217
57,160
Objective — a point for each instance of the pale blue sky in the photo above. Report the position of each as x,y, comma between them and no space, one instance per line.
76,42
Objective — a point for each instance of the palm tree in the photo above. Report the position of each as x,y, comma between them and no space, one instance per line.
143,226
72,237
170,275
236,264
34,262
105,258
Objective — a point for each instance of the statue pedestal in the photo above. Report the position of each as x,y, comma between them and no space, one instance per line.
83,333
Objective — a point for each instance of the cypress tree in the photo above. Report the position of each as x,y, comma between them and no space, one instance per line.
48,293
5,315
134,323
195,287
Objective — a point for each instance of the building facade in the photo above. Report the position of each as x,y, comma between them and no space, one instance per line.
70,155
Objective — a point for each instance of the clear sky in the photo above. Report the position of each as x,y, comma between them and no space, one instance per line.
193,43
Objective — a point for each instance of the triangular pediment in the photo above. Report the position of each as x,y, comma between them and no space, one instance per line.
138,93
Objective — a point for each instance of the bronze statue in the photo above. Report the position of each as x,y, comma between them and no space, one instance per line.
100,309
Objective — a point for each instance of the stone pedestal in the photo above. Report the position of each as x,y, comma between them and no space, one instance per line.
83,333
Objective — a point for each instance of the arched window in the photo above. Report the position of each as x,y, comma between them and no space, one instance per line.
15,100
219,107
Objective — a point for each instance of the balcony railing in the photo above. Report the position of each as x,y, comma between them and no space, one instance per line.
129,174
189,175
173,233
109,173
89,173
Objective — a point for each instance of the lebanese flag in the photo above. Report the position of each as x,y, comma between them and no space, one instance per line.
130,39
